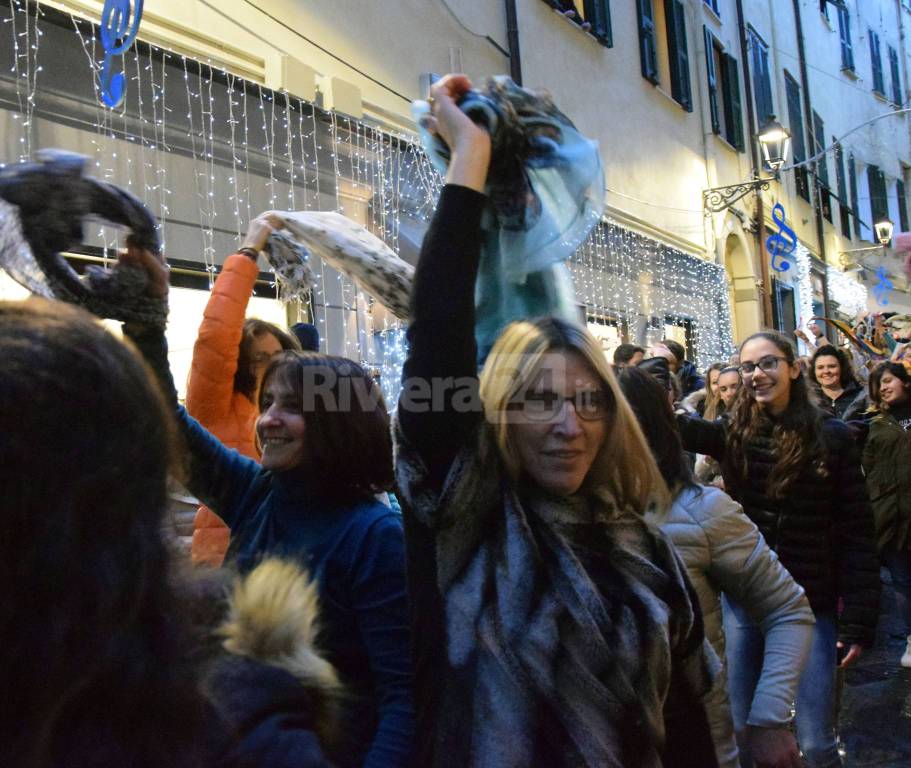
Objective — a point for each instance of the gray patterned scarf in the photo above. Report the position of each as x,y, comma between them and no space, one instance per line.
42,209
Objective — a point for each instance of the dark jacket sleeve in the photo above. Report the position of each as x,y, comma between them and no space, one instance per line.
216,475
855,553
702,436
439,407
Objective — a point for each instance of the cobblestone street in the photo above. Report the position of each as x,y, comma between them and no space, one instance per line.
876,712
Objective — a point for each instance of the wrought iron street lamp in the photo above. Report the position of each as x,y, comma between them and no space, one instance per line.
776,143
884,230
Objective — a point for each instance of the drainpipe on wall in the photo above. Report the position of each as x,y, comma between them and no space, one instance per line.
512,42
814,181
754,161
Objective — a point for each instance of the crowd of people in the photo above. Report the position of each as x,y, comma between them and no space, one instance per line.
553,559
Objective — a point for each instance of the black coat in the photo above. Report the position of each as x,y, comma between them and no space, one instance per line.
849,405
822,530
269,717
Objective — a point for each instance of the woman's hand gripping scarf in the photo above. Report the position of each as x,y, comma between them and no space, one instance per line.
545,191
345,246
42,209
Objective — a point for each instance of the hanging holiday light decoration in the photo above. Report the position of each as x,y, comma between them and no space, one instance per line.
249,149
848,294
803,284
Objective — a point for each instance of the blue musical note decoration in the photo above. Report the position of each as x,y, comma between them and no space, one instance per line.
118,30
782,243
882,287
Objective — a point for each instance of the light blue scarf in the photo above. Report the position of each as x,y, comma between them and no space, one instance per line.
545,192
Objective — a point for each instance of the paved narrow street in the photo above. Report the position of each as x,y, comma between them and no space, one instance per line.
876,713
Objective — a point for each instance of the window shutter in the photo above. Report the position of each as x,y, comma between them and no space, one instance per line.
839,157
879,205
597,13
759,53
877,64
896,77
798,136
852,184
843,211
733,111
902,206
712,78
795,118
844,29
679,56
647,49
819,144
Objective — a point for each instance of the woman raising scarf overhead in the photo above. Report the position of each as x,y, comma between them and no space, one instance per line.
552,625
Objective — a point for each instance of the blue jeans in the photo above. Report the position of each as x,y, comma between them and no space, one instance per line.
815,703
899,566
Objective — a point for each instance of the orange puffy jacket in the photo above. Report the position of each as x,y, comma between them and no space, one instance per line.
211,398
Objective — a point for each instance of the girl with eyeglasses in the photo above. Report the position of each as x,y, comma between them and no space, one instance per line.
230,355
552,625
723,550
796,471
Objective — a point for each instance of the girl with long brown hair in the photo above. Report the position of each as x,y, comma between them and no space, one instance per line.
796,471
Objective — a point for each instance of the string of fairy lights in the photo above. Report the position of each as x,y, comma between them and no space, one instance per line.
207,150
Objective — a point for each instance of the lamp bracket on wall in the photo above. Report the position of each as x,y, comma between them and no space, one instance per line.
718,199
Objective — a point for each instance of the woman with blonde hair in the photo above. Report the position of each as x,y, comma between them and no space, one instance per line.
705,401
552,625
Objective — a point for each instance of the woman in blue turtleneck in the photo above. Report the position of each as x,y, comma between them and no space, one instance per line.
326,454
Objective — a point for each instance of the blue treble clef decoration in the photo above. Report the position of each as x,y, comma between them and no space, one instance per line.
782,243
118,30
881,289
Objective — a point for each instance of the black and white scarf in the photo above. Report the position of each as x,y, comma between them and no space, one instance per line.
573,610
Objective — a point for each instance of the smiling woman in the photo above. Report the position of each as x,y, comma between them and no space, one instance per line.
552,625
836,388
796,471
326,457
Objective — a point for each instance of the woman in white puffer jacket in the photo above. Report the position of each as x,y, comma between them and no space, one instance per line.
724,551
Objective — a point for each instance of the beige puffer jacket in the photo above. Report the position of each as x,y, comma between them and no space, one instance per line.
724,551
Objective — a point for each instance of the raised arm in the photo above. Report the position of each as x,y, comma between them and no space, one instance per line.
215,474
442,351
215,352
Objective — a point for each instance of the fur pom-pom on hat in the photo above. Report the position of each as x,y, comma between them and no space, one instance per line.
273,619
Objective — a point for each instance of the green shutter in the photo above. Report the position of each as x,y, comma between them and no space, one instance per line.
647,50
897,97
762,80
597,13
843,210
733,110
852,184
678,54
844,30
879,204
712,78
819,144
902,206
877,64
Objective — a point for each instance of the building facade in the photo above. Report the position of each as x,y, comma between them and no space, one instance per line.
237,107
